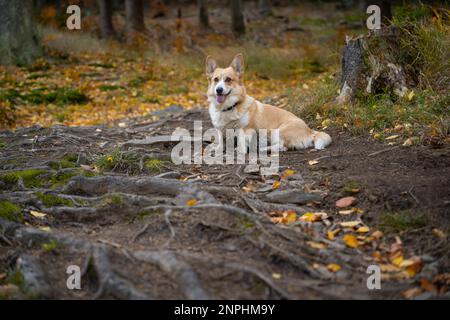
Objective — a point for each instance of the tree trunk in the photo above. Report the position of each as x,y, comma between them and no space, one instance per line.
237,18
264,7
106,26
18,33
203,14
134,11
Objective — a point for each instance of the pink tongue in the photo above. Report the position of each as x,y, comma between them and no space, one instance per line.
220,98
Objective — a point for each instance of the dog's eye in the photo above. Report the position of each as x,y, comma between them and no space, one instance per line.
216,79
228,79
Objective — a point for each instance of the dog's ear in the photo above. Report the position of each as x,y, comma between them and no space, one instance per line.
238,64
210,65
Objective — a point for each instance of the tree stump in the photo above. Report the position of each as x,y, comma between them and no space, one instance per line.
370,65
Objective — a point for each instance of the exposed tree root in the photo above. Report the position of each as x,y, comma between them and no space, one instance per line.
34,278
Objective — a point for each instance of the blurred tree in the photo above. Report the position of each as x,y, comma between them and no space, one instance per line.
237,18
105,18
134,11
264,7
18,33
203,14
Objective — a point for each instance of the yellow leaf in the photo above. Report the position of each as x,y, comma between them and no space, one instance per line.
37,214
332,234
333,267
313,216
316,245
397,260
351,241
276,185
362,229
287,173
191,202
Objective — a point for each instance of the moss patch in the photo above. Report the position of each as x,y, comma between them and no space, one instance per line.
50,200
9,211
29,178
50,246
393,222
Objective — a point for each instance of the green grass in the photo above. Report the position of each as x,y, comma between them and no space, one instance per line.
394,222
109,87
58,96
154,165
115,159
50,246
9,211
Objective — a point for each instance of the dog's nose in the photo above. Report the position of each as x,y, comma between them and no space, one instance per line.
219,90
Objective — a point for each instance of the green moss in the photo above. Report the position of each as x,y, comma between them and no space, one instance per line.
393,222
154,165
50,200
61,178
30,178
50,246
352,187
9,211
68,161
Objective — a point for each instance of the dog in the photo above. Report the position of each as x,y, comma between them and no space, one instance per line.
231,108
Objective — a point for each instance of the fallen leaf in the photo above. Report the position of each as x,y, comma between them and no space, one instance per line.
37,214
332,233
350,240
46,229
439,233
345,202
350,224
276,275
346,212
313,216
333,267
408,142
411,95
313,162
287,173
363,229
427,285
316,245
276,185
377,234
191,202
289,217
389,268
395,136
411,293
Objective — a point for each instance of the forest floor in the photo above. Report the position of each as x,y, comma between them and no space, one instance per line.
141,227
82,183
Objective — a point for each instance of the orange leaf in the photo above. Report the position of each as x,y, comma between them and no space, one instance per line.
351,241
191,202
333,267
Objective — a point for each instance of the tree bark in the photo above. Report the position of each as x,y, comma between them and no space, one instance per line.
237,18
105,19
203,14
264,7
18,33
134,11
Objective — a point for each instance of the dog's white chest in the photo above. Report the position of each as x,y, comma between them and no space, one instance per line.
227,119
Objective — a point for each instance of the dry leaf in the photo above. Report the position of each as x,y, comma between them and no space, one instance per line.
276,185
316,245
191,202
313,216
37,214
276,275
345,202
377,235
287,173
333,267
313,162
350,240
350,224
411,293
289,217
47,229
332,234
395,136
439,233
346,212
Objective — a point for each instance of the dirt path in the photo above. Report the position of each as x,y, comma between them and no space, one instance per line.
145,228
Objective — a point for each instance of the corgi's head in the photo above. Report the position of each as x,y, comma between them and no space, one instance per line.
225,85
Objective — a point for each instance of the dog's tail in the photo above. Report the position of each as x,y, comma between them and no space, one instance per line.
321,140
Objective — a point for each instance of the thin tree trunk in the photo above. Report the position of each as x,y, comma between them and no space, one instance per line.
264,7
18,33
203,14
237,18
106,26
134,11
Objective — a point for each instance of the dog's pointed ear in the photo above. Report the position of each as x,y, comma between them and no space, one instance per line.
238,64
210,65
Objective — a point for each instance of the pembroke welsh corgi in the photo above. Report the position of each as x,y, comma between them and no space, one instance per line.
231,108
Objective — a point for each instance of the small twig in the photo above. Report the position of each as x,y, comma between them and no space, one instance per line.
382,151
140,232
412,195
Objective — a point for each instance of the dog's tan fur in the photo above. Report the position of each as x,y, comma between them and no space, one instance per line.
240,111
